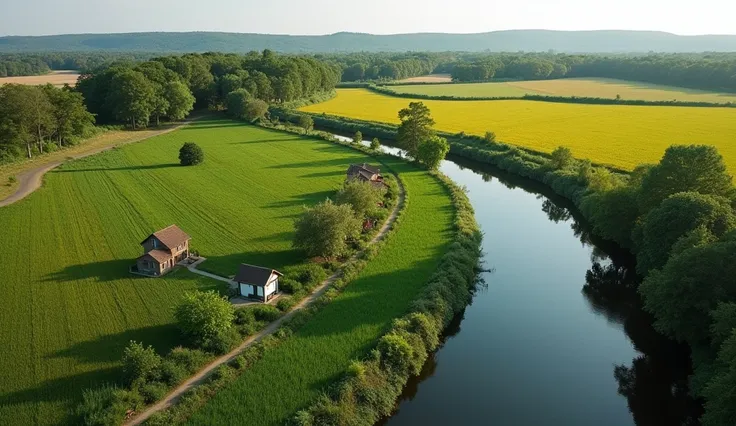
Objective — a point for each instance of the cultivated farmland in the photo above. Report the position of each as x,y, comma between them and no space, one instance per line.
582,87
292,374
56,78
623,136
69,305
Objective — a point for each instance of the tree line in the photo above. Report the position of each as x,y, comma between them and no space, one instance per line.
169,86
37,119
697,71
20,64
386,66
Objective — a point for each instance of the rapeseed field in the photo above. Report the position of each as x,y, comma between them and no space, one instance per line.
622,136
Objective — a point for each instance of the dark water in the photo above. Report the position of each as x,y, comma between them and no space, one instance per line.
558,336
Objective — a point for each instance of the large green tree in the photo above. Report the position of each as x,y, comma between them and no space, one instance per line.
71,118
132,97
682,295
416,127
720,392
677,216
685,168
204,317
180,100
362,196
432,151
325,229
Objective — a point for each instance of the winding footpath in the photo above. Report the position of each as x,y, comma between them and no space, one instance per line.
31,180
271,328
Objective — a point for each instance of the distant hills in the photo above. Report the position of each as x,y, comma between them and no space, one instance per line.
506,41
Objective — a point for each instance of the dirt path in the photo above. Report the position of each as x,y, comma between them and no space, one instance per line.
31,180
205,373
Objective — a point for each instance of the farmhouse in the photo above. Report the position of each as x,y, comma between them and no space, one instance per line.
366,173
162,250
256,282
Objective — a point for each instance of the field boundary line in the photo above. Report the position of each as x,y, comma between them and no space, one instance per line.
30,180
203,374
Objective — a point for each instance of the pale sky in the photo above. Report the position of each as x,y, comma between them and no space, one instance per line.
41,17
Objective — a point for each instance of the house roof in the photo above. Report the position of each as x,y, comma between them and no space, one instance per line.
256,275
159,256
171,236
355,169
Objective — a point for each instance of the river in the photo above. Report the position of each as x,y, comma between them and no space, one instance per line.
556,336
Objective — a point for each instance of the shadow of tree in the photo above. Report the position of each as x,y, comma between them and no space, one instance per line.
127,168
103,271
307,199
227,265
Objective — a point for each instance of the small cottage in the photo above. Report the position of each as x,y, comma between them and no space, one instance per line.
162,250
256,282
366,173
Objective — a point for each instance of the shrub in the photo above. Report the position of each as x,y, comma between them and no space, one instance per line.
12,180
107,405
255,109
490,137
306,122
265,313
153,391
289,285
562,158
285,303
140,363
358,137
308,274
375,144
191,154
204,318
244,316
361,196
396,353
173,373
190,359
240,362
223,372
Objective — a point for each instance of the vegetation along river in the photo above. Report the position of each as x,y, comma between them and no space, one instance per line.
556,336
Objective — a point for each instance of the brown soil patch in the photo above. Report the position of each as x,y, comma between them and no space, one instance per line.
432,78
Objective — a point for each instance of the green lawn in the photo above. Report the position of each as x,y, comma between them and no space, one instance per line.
583,87
69,305
292,374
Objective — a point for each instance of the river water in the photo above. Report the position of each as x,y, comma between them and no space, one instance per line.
556,336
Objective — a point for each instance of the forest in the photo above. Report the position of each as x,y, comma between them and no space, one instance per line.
697,71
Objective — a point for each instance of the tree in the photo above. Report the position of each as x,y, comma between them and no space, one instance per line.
204,317
375,144
139,362
236,103
180,100
562,158
71,118
358,137
416,126
325,229
720,391
432,151
191,154
490,137
255,109
724,322
685,168
306,122
682,295
677,216
41,114
361,196
132,97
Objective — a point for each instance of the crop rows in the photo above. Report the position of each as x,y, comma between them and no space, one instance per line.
622,136
69,305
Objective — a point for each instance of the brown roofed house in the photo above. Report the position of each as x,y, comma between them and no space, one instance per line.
162,250
257,282
366,173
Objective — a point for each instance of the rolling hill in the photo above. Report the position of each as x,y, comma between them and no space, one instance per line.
508,41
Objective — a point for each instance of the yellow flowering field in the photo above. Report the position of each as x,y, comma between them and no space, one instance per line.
622,136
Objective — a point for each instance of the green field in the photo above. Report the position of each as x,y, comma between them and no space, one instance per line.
69,305
295,372
582,87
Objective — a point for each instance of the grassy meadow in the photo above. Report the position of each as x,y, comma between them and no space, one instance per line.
582,87
291,375
69,305
622,136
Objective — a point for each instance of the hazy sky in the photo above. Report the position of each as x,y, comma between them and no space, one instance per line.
37,17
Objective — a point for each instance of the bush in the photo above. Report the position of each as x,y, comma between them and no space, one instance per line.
358,137
140,363
285,303
173,373
306,122
289,285
154,391
307,274
361,196
191,154
107,405
240,362
12,180
325,229
562,158
190,359
223,372
265,313
375,144
205,318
